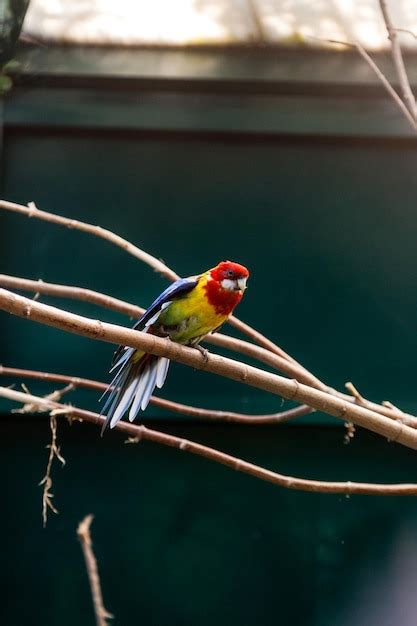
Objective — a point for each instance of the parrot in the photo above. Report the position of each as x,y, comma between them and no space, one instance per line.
187,311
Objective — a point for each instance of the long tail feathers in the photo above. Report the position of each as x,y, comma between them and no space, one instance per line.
132,386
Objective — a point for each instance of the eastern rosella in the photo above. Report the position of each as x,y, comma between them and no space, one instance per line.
186,312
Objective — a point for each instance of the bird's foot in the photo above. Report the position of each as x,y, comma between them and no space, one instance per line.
202,351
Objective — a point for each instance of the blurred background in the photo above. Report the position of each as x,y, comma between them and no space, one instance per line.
203,131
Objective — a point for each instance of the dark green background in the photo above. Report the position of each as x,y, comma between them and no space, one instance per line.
184,541
310,181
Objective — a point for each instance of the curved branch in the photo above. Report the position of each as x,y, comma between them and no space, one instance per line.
184,409
72,293
32,211
139,433
396,431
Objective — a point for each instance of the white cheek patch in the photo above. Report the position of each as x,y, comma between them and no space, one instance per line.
228,284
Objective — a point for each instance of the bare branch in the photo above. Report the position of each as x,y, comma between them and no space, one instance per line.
32,211
73,293
264,355
141,433
266,343
184,409
289,389
158,266
385,82
84,535
55,395
286,366
399,61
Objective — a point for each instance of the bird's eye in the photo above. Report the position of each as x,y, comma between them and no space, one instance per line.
230,273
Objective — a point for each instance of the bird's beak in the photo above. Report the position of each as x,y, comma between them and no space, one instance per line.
241,282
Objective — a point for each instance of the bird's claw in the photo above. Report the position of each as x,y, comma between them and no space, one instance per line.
203,351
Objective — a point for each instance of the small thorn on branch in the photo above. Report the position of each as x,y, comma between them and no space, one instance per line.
389,405
354,392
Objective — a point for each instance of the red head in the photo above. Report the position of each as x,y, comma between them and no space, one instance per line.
226,285
231,276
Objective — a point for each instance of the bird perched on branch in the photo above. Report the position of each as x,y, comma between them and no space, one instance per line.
186,312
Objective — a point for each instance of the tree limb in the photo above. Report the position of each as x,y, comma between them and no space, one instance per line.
32,211
277,362
139,433
73,293
289,367
289,389
184,409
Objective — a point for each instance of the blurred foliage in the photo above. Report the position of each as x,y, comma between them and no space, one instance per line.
11,22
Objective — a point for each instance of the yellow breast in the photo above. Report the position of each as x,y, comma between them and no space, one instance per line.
192,316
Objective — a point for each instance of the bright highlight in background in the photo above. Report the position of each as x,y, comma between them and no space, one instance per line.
199,22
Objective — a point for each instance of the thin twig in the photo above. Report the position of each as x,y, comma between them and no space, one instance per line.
141,433
54,452
84,535
184,409
55,395
32,211
405,30
385,82
289,389
73,293
397,57
260,34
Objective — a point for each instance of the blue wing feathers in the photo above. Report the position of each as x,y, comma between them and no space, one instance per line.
132,386
180,288
174,291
